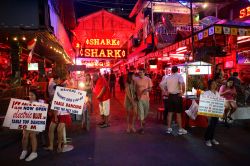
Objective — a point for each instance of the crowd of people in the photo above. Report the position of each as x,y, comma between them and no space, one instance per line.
136,88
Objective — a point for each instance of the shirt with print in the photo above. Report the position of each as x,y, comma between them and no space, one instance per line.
142,84
100,84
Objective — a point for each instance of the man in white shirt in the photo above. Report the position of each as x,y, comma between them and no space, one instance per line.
175,89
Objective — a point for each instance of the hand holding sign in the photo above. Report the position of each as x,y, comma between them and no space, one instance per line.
22,114
68,100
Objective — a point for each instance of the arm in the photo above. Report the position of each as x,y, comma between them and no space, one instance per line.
222,91
183,89
127,92
162,85
101,93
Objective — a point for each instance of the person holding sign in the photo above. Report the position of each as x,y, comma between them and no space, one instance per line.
29,136
209,134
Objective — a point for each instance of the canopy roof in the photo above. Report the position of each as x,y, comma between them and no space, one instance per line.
197,63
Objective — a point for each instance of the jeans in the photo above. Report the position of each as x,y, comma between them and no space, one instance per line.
209,135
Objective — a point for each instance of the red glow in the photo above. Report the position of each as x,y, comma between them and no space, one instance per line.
103,53
102,42
245,12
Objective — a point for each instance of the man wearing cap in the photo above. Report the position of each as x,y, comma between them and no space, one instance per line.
175,88
103,96
143,85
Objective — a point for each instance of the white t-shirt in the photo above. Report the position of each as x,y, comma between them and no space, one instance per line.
173,83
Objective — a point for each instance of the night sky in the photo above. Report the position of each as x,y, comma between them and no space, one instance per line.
120,7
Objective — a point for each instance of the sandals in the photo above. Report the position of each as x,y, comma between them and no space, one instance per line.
48,149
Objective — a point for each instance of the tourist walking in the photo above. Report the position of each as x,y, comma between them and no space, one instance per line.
130,103
143,86
112,81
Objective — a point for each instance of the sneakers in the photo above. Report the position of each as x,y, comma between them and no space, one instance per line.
104,125
31,157
23,154
215,142
208,143
169,130
182,131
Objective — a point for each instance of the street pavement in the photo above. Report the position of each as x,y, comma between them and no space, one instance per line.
114,147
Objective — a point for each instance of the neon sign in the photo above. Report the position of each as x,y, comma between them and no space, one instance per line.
245,12
96,63
109,53
102,42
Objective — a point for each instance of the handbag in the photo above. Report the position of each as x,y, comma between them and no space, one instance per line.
193,110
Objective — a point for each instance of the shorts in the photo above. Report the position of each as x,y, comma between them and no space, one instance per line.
104,107
143,108
175,103
64,119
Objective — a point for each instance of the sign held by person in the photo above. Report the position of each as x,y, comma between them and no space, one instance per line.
23,114
211,106
68,100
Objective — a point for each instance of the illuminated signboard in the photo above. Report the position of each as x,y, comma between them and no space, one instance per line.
102,42
245,12
96,63
108,53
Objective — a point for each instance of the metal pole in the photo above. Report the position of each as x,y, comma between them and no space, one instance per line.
192,28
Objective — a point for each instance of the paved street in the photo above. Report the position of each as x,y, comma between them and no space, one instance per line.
113,146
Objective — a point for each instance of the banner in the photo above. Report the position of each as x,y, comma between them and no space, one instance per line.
68,100
200,36
234,31
205,33
211,106
242,32
218,29
211,31
226,30
195,37
22,114
248,32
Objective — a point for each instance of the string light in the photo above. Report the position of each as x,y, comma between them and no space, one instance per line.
15,38
24,38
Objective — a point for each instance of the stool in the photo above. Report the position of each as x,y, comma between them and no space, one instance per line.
159,114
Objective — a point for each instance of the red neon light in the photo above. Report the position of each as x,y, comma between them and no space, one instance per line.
96,64
109,53
245,12
102,42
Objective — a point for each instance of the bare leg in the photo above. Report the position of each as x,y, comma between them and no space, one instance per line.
128,121
33,140
233,108
60,130
25,140
52,128
106,119
133,120
179,120
170,114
